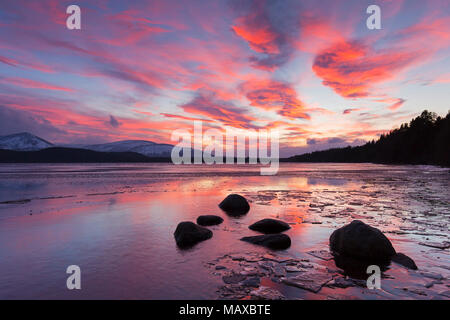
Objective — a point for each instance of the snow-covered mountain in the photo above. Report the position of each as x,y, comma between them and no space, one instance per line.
29,142
23,142
147,148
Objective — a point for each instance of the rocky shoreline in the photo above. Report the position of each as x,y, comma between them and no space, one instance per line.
259,276
353,248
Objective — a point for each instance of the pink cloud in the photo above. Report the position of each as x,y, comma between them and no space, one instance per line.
274,95
352,68
28,83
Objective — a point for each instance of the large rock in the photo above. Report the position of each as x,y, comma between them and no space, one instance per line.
269,226
272,241
188,233
209,220
363,242
235,205
357,268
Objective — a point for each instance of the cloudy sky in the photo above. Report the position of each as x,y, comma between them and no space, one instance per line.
311,69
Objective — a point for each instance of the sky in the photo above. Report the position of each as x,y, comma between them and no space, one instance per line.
142,69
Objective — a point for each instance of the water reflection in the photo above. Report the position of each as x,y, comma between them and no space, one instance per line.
117,222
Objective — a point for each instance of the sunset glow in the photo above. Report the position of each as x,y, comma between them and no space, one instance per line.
141,70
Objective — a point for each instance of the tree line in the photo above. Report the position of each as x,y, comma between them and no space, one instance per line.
424,140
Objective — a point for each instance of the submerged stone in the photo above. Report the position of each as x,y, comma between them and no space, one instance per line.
363,242
188,233
235,205
209,220
269,226
271,241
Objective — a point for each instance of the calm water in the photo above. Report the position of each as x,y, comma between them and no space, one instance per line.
116,221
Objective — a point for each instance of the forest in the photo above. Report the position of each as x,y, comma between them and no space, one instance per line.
424,140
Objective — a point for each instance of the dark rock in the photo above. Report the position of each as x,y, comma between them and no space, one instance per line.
188,234
233,278
362,242
235,205
272,241
269,226
352,267
404,260
356,268
251,282
219,267
209,220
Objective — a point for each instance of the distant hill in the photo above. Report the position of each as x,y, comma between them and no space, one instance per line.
72,155
147,148
425,140
23,142
29,142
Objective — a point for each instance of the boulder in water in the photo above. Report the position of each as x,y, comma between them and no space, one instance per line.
269,226
235,205
209,220
188,233
363,242
271,241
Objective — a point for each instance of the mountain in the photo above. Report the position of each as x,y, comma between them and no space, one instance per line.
147,148
23,142
29,142
425,140
72,155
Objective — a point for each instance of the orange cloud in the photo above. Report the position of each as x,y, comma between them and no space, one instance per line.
269,30
259,36
205,105
351,68
274,95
